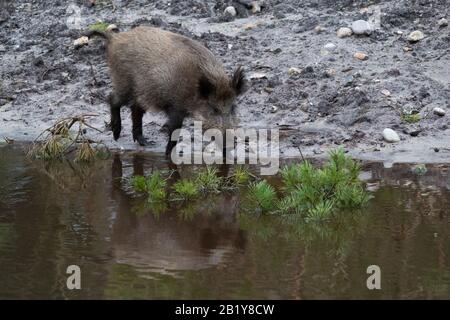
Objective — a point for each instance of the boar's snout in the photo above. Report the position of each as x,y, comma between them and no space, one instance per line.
216,120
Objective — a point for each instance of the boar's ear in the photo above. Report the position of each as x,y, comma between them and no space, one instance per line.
239,83
205,87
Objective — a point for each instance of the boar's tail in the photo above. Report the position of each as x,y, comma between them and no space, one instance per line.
104,34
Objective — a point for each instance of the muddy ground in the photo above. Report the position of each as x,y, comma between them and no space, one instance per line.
332,99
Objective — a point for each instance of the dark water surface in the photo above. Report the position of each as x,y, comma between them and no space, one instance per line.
56,215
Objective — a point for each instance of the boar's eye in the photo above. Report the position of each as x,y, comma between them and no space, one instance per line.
205,87
216,110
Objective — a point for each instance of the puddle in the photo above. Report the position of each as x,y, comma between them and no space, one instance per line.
53,216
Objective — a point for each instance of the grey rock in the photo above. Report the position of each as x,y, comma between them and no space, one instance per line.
442,23
362,27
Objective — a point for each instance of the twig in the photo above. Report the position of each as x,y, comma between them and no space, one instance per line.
301,154
47,70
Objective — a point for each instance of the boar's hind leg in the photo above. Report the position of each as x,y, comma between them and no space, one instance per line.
136,114
116,103
175,122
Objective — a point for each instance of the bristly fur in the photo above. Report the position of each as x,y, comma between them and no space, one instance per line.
238,81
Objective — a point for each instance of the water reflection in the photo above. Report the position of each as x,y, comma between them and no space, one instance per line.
56,214
194,238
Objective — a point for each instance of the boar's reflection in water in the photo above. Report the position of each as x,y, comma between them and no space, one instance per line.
154,69
168,243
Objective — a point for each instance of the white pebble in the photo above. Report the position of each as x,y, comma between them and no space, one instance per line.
330,46
390,135
320,29
386,92
438,111
256,7
416,36
293,71
230,10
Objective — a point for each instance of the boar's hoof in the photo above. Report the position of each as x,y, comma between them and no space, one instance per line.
116,132
116,127
142,141
170,145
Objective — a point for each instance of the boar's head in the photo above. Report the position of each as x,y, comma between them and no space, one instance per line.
217,97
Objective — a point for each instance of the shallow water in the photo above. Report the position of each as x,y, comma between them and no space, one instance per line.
56,215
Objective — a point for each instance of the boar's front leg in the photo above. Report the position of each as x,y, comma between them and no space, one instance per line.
175,122
136,115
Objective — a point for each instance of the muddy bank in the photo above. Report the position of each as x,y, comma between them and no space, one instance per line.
304,78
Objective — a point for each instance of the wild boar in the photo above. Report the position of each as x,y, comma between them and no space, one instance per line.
154,69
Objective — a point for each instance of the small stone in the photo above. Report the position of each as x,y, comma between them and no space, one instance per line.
82,41
348,81
330,72
436,149
361,56
394,72
330,46
438,111
390,135
399,32
255,7
274,81
362,27
385,92
319,29
231,11
38,61
249,26
442,23
407,49
257,76
294,71
308,69
344,32
112,27
416,36
274,109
